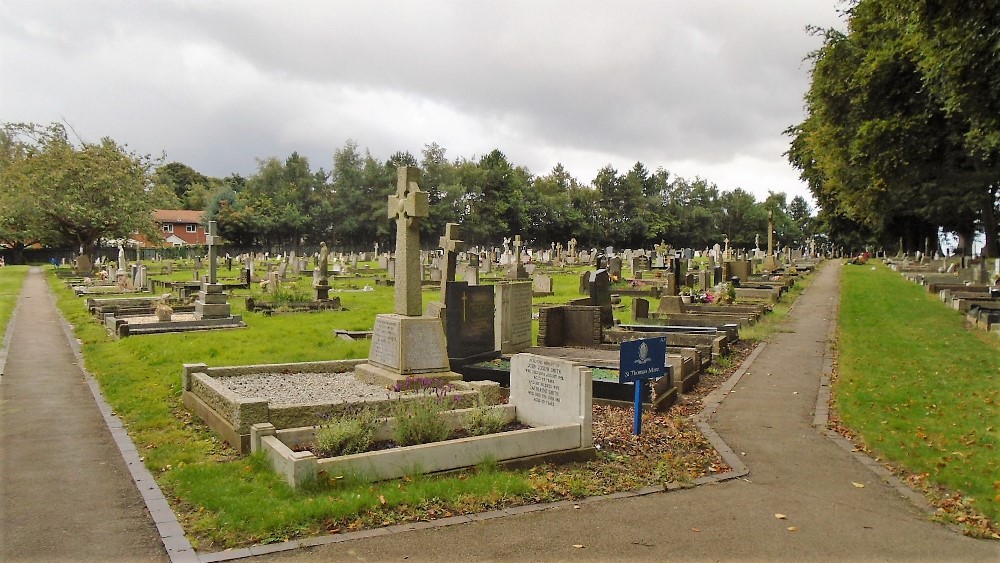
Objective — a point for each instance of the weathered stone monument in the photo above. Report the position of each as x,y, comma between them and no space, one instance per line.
403,342
321,275
770,263
212,302
517,271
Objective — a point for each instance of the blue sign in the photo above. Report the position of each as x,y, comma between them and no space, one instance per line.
642,359
638,361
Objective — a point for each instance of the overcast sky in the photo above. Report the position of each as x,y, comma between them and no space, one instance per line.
700,88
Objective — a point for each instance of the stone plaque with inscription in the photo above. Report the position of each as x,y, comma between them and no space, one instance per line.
513,316
551,391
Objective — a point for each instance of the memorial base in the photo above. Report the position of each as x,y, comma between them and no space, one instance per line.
321,292
404,347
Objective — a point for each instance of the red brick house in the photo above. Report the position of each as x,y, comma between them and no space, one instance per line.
180,227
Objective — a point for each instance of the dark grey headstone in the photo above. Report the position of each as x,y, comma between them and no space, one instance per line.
600,295
469,319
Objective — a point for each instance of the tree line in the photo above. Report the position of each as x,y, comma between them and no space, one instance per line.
102,191
902,132
287,203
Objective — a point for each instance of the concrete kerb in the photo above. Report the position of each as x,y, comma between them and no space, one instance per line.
177,546
821,420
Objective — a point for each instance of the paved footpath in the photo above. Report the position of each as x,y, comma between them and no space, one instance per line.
65,490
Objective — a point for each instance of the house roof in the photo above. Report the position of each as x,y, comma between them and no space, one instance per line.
177,216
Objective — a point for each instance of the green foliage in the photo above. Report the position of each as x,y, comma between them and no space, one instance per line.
485,419
887,142
91,190
420,421
917,386
347,435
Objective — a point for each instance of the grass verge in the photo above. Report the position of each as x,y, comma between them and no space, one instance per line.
920,391
11,280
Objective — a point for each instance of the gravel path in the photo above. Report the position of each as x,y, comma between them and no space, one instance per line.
299,388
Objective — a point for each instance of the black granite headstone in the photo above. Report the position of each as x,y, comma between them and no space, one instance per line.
469,320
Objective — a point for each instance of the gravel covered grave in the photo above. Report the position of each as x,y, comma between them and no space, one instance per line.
302,388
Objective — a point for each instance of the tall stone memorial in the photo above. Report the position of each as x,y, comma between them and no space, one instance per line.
770,262
212,302
404,343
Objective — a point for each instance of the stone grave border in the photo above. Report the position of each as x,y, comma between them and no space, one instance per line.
564,432
233,416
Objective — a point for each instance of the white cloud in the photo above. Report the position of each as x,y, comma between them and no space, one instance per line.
701,89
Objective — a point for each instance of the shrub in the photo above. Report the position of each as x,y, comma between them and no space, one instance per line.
420,422
485,419
347,435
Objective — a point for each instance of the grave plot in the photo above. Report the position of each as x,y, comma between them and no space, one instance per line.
551,396
232,399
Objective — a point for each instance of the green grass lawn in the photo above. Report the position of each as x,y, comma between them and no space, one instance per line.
917,387
11,280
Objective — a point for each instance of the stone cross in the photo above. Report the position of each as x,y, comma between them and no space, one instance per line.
770,232
726,252
212,252
517,248
451,246
406,207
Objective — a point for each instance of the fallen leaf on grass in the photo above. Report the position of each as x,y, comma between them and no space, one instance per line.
381,499
578,545
858,485
695,529
793,529
780,516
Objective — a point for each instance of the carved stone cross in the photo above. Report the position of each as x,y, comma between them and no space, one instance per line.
212,252
770,232
451,246
517,248
406,207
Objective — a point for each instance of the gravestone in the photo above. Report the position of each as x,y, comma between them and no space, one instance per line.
405,343
212,302
516,270
552,391
615,268
640,309
704,279
640,264
470,317
770,263
542,285
512,304
321,279
585,283
570,325
740,269
600,296
471,274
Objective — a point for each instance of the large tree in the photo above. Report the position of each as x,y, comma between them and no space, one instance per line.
886,142
91,191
